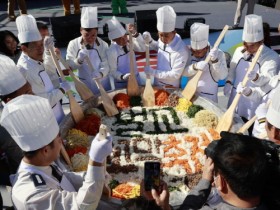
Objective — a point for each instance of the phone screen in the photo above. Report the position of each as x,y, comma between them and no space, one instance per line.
152,175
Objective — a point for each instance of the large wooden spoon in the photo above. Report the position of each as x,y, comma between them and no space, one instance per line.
148,94
75,108
107,102
84,92
226,120
191,87
132,84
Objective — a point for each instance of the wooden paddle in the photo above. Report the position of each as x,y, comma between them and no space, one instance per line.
248,124
75,108
148,94
102,137
84,92
191,87
65,156
132,84
226,120
107,102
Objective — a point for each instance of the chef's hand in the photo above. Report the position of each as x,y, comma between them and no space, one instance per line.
149,71
147,36
100,149
83,53
246,91
252,75
214,53
125,76
227,89
65,86
48,43
201,65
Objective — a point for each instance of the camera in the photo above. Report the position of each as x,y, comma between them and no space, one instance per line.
210,149
272,151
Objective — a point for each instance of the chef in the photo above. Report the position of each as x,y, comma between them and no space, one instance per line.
118,52
264,70
31,64
213,71
262,96
39,184
48,62
172,53
88,44
272,124
12,84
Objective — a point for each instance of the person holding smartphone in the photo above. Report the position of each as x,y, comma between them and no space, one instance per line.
237,168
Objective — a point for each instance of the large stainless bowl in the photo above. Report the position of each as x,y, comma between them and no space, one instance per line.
68,123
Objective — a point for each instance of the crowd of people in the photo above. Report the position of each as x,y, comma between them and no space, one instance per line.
237,171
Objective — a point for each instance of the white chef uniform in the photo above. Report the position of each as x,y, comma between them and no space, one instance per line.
39,187
173,57
261,96
118,57
267,65
34,71
97,54
207,86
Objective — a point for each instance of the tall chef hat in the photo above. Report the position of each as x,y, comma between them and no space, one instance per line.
30,121
11,78
166,19
253,29
116,30
273,113
27,29
199,36
89,17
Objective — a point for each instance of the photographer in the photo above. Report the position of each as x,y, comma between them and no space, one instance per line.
237,166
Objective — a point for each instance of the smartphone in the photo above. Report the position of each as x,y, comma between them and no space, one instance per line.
152,176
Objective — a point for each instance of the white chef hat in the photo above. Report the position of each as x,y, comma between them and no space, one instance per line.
166,19
11,78
199,36
27,29
30,121
116,30
273,113
253,29
89,17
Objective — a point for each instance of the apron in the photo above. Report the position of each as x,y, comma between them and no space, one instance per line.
246,108
85,73
57,108
207,87
164,63
123,64
65,184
